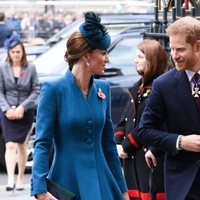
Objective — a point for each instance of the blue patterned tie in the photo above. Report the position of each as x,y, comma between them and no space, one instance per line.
196,89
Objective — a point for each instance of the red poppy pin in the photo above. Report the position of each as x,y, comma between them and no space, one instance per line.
101,94
22,73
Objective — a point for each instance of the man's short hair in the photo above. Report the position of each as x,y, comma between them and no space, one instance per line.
188,26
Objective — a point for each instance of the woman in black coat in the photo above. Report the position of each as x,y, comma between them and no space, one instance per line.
151,61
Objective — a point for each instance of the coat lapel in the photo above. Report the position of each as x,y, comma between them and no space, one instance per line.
71,82
186,99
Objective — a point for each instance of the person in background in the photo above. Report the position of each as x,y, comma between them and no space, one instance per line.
13,21
74,113
175,100
5,32
150,62
42,27
19,89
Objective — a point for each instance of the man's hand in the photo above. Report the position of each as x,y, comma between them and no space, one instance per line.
150,159
190,143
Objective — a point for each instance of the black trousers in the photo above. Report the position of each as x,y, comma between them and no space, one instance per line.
194,192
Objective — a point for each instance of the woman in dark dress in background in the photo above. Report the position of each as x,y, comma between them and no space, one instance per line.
151,61
19,89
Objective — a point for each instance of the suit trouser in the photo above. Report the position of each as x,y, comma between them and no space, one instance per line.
194,193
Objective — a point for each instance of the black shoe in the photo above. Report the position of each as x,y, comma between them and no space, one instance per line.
10,188
20,189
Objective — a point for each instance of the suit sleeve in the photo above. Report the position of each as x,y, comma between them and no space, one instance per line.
45,128
153,116
3,102
109,147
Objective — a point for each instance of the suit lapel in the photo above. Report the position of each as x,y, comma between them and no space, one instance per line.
11,78
21,79
10,73
186,99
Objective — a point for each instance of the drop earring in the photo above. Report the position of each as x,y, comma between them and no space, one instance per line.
87,63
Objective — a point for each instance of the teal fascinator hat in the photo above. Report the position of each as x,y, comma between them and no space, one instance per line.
94,32
12,41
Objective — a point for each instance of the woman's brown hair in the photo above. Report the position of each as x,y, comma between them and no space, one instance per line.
157,60
24,61
76,48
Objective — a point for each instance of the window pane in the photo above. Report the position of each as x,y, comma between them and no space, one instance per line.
123,55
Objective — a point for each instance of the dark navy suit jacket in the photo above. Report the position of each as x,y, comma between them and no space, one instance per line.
171,101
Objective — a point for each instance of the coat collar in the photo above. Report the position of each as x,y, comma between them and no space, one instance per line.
69,77
133,91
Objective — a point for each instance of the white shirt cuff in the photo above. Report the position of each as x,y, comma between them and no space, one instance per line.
177,143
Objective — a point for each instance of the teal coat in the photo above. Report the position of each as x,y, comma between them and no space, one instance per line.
85,160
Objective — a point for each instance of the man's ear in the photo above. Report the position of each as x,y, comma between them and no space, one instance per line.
198,46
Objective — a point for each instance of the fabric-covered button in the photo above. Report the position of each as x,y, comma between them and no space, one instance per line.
88,140
90,123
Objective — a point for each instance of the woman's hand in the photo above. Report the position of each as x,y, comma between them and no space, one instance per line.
45,196
19,112
125,196
150,159
10,114
121,153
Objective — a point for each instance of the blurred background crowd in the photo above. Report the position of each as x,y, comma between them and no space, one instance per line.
38,25
33,20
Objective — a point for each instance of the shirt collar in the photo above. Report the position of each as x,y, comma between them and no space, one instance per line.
190,74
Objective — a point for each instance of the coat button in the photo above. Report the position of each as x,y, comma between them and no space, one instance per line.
88,140
90,123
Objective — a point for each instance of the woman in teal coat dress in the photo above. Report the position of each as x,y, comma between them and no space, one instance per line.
74,113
